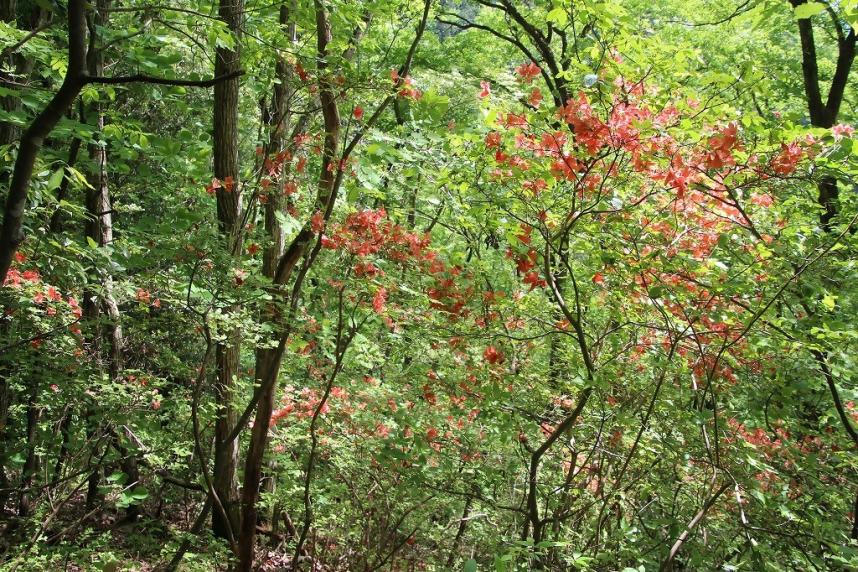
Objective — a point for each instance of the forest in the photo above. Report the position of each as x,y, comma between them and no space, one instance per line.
428,285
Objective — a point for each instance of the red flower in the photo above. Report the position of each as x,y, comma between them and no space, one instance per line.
486,89
527,72
300,71
535,97
492,355
53,294
76,311
215,184
842,130
785,162
534,280
358,112
13,278
379,300
317,222
762,199
493,140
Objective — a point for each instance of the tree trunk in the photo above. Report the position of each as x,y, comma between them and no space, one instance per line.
824,113
8,103
281,119
65,439
229,211
282,275
11,14
11,233
5,402
104,311
31,462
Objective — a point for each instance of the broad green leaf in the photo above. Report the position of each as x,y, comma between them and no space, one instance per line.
56,179
807,10
557,16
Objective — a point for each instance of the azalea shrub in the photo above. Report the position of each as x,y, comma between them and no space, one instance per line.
484,285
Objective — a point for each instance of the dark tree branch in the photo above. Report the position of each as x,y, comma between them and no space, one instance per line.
822,360
810,71
143,78
845,57
11,233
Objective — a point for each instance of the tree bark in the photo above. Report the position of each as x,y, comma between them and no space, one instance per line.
11,234
330,178
229,212
8,131
31,462
281,119
286,264
22,66
823,113
99,229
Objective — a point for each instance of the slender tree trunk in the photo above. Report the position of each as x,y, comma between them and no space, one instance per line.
22,66
92,492
460,532
65,436
286,265
56,224
229,213
281,119
5,402
823,113
8,103
269,363
31,462
103,310
11,234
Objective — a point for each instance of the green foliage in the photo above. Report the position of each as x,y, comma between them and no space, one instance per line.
638,271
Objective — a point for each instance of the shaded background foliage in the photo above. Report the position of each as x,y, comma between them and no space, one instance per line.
513,285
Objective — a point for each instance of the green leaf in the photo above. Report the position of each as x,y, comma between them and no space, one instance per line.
470,566
557,16
807,10
56,179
